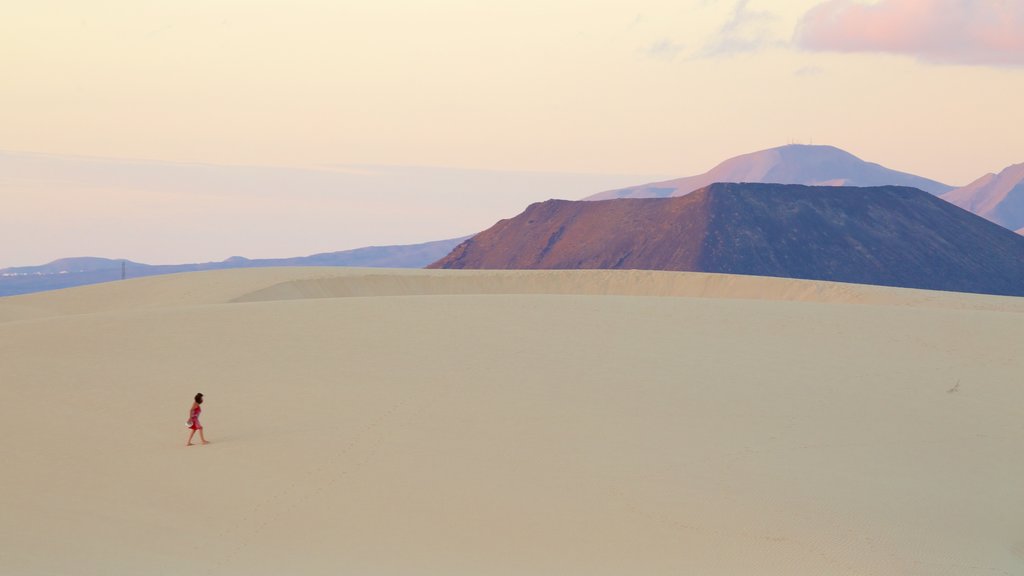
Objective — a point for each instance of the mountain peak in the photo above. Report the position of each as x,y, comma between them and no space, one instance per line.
998,197
812,149
808,164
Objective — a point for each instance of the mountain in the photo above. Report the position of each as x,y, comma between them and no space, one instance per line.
997,197
68,272
400,256
792,164
889,235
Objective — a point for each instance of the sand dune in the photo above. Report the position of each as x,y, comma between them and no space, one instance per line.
439,422
267,284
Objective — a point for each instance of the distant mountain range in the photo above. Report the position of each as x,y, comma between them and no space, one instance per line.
69,272
792,164
996,197
889,235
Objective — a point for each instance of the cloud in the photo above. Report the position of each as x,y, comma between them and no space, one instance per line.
664,49
809,71
977,32
746,31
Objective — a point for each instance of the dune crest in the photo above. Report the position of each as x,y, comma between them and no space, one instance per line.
620,283
270,284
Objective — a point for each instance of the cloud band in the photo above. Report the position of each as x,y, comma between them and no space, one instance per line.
979,32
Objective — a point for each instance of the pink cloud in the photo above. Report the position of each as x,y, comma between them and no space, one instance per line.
986,32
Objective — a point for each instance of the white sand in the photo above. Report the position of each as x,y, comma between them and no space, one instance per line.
374,422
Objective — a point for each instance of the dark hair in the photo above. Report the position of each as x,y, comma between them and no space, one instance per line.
199,398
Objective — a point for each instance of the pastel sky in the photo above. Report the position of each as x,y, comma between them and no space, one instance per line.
603,90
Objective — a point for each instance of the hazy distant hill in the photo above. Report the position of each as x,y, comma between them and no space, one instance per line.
892,236
793,164
998,197
68,272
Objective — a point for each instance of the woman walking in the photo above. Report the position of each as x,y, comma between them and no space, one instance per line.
193,420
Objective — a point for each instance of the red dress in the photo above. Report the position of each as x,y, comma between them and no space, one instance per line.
193,419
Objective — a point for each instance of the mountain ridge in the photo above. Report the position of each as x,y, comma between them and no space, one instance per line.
79,271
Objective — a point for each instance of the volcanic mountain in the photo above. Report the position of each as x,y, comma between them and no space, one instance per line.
793,164
889,235
997,197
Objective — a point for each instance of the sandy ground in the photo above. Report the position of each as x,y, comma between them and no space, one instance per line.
464,423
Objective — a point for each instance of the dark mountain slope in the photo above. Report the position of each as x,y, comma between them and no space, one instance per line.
889,235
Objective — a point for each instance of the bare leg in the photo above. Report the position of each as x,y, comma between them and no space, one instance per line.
201,437
190,435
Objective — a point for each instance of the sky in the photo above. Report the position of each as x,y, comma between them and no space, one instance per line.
598,93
